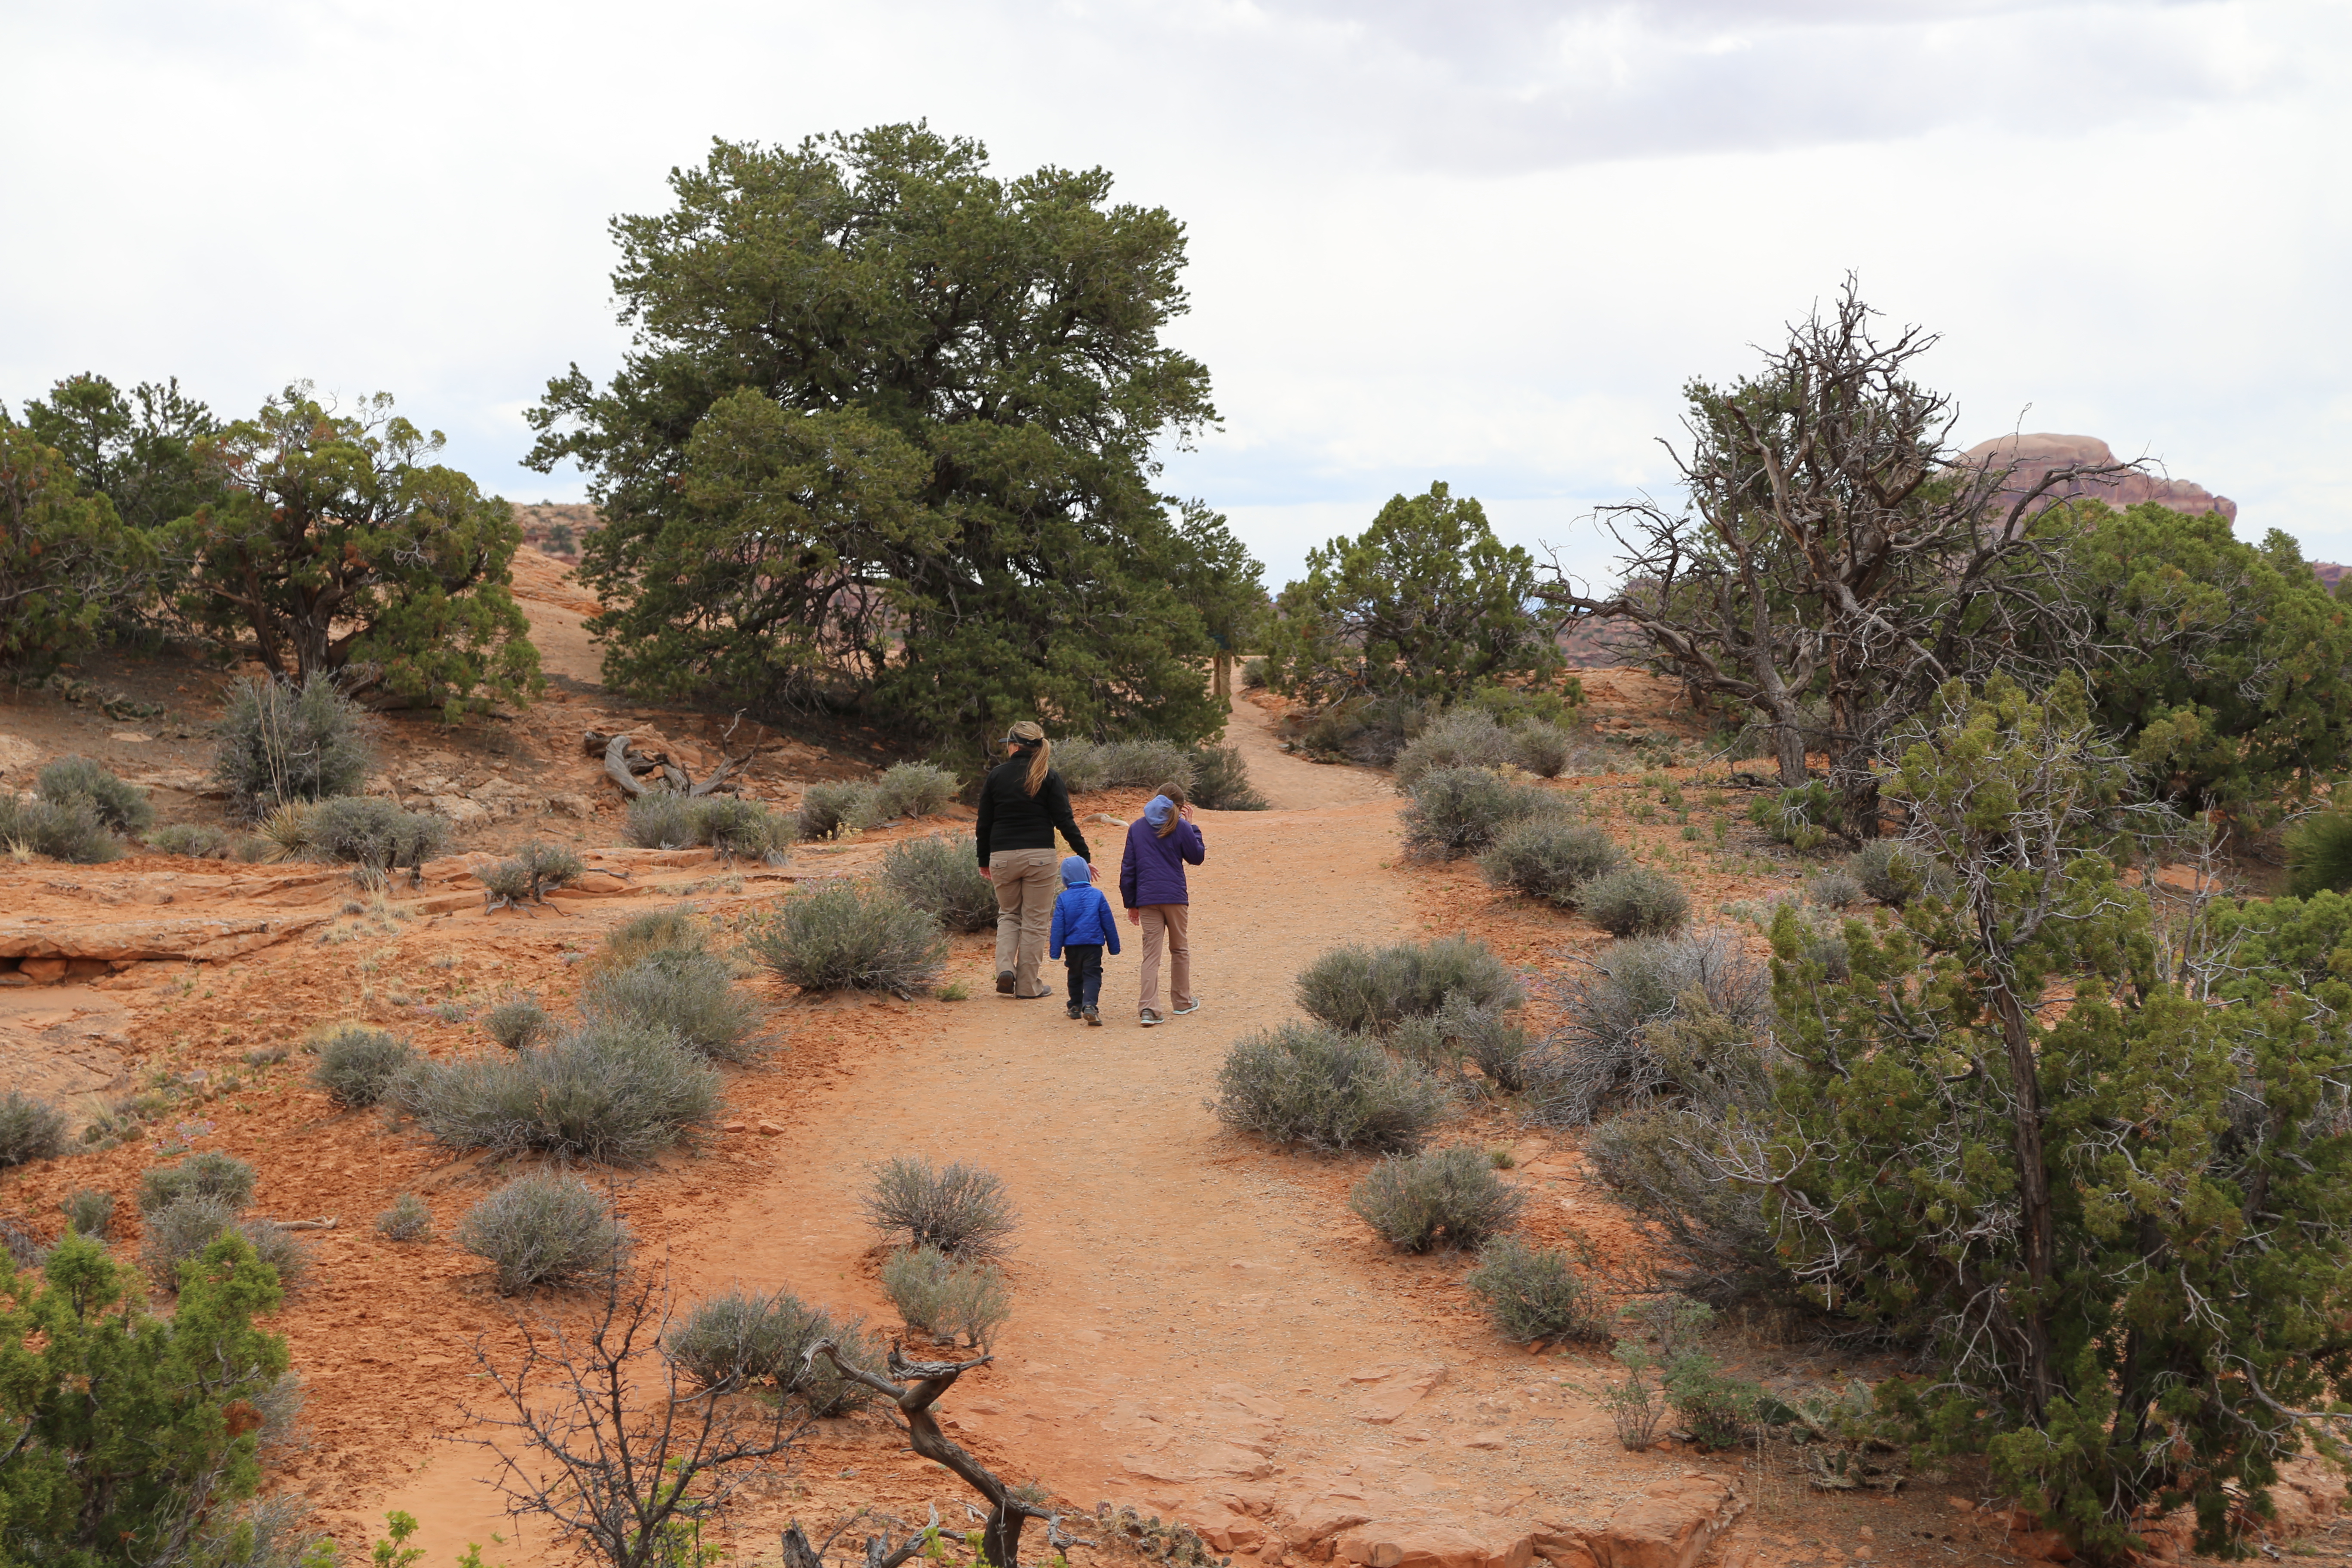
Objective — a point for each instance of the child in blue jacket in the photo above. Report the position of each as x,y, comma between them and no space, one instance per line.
1083,927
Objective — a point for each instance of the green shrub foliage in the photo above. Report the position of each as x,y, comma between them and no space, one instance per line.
1221,781
944,1297
961,1210
546,1228
209,1173
1375,988
615,1092
30,1128
339,543
938,875
357,1066
1327,1090
122,807
689,995
2319,854
281,742
2077,1211
1550,859
65,558
197,841
127,1444
1635,901
809,513
1452,1198
70,830
851,936
1460,811
1426,601
1538,1292
660,820
737,1339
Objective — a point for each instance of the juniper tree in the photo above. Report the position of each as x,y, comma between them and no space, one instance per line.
2119,1215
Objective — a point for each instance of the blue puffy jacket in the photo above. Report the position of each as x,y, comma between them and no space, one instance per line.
1081,915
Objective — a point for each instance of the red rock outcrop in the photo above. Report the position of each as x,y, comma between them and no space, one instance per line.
2036,454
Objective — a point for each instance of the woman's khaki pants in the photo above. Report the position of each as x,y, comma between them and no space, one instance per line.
1027,883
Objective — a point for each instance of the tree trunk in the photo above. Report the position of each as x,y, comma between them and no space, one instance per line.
2035,1217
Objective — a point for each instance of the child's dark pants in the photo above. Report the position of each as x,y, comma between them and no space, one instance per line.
1084,961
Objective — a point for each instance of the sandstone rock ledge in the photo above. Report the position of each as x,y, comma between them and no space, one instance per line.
1672,1524
201,939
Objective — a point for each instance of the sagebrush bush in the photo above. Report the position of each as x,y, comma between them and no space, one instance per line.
407,1219
1460,811
69,830
1460,738
1090,766
943,1298
827,809
30,1128
89,1212
1835,888
22,1244
1671,1165
737,828
181,1229
940,877
1221,781
1370,730
545,1228
1544,750
851,936
208,1174
369,830
197,841
1441,1197
279,742
737,1338
913,789
1895,873
961,1210
640,937
613,1093
357,1066
1611,1051
1253,675
1327,1090
2318,854
1368,988
123,807
1550,859
1538,1293
518,1021
689,995
1635,901
660,820
1461,1032
1803,817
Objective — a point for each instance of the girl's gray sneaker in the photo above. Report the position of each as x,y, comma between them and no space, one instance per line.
1150,1017
1192,1006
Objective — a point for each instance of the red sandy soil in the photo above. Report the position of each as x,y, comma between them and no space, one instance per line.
1200,1328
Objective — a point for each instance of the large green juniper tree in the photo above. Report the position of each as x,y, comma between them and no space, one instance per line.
885,439
2113,1197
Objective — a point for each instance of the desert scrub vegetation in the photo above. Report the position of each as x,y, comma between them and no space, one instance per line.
1617,1046
2319,854
518,1023
610,1092
1539,1292
209,1174
178,1232
850,936
1458,738
529,876
1895,873
1327,1090
739,828
1453,1198
280,744
195,840
30,1128
1835,888
1221,781
688,993
406,1220
640,937
1550,859
962,1210
1460,811
367,831
1375,988
1635,901
545,1228
940,876
946,1297
827,809
123,807
739,1339
69,830
88,1211
1460,1035
1087,766
659,820
910,790
357,1066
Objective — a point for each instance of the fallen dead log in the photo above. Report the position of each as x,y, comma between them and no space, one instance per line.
625,766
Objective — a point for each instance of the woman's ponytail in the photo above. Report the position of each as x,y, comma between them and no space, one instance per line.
1030,736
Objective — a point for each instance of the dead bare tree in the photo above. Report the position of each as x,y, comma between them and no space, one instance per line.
912,1387
1836,546
618,1449
628,766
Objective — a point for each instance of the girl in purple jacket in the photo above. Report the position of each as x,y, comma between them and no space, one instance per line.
1151,885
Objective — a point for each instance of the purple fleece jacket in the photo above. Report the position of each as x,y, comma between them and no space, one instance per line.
1151,870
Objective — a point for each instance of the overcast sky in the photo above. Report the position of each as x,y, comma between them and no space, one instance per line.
1482,243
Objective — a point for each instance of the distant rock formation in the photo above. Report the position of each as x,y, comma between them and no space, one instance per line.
2035,455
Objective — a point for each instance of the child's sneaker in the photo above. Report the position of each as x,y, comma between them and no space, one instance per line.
1150,1017
1093,1018
1074,1012
1192,1006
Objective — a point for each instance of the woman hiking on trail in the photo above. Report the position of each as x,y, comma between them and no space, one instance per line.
1022,802
1151,885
